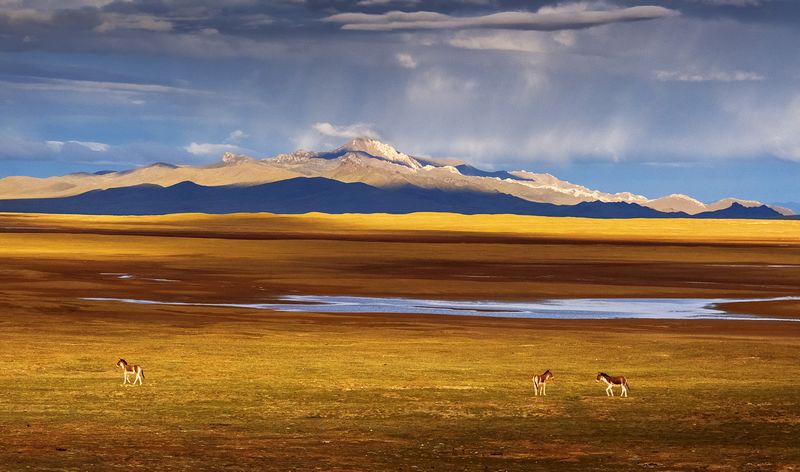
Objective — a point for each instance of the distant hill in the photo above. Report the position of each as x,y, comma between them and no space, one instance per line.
303,195
379,166
737,210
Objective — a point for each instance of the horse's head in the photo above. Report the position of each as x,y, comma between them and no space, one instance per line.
549,375
121,362
600,375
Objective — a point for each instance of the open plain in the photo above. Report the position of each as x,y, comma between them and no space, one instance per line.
243,389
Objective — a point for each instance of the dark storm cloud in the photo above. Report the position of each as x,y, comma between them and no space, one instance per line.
120,25
149,78
552,19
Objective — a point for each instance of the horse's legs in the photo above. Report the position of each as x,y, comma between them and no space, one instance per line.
138,378
610,390
535,387
544,388
624,391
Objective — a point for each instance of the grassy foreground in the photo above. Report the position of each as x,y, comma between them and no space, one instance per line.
234,389
306,392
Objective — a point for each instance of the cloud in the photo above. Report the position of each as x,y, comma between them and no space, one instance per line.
733,3
609,141
213,149
20,147
712,76
573,16
437,87
502,40
58,146
236,136
356,130
38,84
323,135
406,60
115,21
375,3
565,38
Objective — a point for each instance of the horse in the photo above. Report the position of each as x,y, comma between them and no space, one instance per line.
130,369
611,381
540,382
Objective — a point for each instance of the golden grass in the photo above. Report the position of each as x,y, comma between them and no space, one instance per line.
288,392
246,256
232,389
660,230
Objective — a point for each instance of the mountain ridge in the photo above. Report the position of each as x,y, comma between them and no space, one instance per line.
363,160
318,194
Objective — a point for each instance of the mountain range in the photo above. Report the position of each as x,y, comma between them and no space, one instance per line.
362,176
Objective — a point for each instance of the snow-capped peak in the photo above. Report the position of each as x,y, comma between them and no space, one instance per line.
376,148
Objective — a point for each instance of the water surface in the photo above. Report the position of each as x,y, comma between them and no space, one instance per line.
580,308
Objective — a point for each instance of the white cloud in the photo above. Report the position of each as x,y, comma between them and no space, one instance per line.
551,143
90,86
734,3
236,135
437,86
569,16
212,149
115,21
356,130
257,20
565,38
50,5
374,3
766,128
406,60
58,146
711,76
326,135
503,40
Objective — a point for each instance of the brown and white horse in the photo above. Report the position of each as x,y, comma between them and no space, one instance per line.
130,369
540,382
611,382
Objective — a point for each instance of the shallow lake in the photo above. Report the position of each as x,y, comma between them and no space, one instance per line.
581,308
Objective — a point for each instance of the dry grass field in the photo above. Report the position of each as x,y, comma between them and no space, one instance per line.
241,389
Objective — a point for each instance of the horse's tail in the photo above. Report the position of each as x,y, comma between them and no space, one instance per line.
142,372
625,382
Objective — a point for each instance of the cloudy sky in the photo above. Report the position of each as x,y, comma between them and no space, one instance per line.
655,97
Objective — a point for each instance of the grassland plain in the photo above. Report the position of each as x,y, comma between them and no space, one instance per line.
239,389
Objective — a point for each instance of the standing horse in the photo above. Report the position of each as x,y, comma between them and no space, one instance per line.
540,382
611,381
130,369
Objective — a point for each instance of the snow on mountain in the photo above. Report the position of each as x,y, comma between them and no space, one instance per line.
375,148
550,182
361,160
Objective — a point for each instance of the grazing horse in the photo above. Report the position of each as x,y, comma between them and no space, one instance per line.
540,382
611,381
130,369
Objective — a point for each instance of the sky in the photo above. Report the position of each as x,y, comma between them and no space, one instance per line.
655,97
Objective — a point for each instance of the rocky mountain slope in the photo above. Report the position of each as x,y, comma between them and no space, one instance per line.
309,194
361,160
